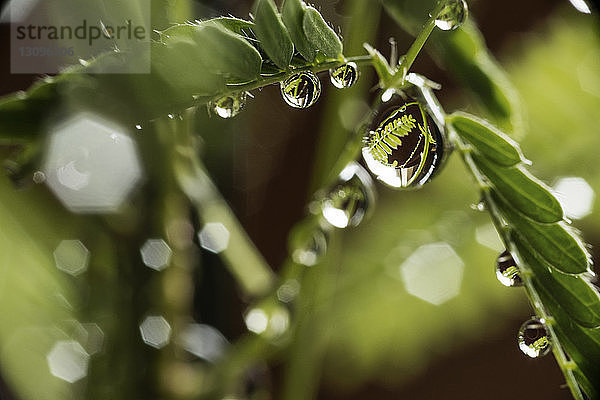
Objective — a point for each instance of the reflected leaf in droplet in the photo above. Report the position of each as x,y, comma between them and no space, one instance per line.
453,14
507,271
155,331
229,106
534,340
348,200
301,90
402,145
344,76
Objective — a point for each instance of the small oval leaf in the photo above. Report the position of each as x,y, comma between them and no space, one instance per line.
272,34
292,14
487,139
558,245
320,35
573,292
522,191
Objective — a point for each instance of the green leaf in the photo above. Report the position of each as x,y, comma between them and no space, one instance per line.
320,35
272,34
521,190
556,243
573,292
219,50
293,18
236,25
581,344
487,139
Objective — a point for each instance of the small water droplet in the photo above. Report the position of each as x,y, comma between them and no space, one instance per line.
301,90
534,339
453,15
403,146
138,127
229,106
507,271
479,206
344,76
309,247
347,201
270,320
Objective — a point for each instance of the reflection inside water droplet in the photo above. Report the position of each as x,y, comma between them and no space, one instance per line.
229,106
344,76
453,15
301,90
507,271
348,200
533,339
403,146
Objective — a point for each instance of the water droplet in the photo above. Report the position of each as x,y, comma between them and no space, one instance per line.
301,90
347,201
309,246
507,271
403,146
138,127
344,76
39,177
453,15
229,106
534,339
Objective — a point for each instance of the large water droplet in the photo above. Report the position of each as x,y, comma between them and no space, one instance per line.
403,146
229,106
301,90
507,271
344,76
453,15
347,201
534,340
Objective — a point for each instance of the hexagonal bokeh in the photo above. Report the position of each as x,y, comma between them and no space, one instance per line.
575,195
155,331
91,165
433,273
68,361
72,257
156,254
214,237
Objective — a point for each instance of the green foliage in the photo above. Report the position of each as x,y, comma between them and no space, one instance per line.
487,139
272,34
293,12
320,35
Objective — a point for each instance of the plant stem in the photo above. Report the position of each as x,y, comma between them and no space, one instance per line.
416,47
564,363
274,79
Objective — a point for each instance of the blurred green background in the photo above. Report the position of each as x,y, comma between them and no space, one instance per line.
359,333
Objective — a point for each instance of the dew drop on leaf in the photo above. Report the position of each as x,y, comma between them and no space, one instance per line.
344,76
301,90
347,201
507,271
534,340
310,247
453,15
229,106
402,145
